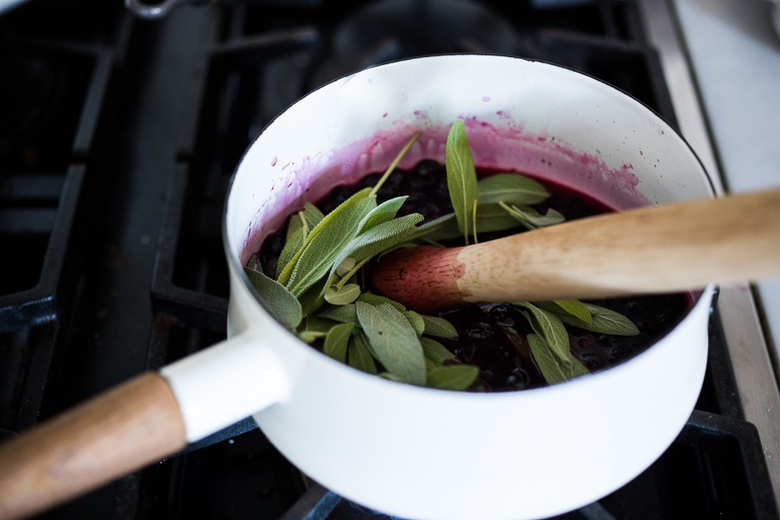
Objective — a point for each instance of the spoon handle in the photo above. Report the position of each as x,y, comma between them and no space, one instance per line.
654,249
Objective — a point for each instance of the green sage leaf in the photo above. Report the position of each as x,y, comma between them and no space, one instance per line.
605,321
384,212
279,302
377,239
359,354
318,324
298,227
461,177
416,321
511,188
345,266
341,313
453,377
310,336
550,327
378,299
312,299
296,237
492,217
553,368
441,228
337,341
437,353
312,215
439,327
393,341
532,219
343,295
326,242
574,308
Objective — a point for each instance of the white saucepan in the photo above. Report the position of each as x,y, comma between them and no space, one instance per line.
403,450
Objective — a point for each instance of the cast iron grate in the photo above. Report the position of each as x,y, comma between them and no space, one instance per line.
44,144
266,62
269,53
52,96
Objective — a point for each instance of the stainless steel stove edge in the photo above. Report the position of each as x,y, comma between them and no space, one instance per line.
747,345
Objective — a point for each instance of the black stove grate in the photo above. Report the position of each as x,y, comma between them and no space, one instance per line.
52,96
198,88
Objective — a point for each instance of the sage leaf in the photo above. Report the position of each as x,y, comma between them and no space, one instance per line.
298,227
453,377
437,353
312,299
382,213
326,242
416,321
279,302
359,354
550,327
441,228
311,215
605,321
393,341
296,237
439,327
377,239
574,308
337,341
378,299
341,313
345,266
461,177
310,336
511,188
343,295
532,219
554,369
318,324
492,217
489,218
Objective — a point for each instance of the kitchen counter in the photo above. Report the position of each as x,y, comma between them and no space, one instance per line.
735,55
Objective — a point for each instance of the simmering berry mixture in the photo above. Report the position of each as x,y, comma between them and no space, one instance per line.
492,336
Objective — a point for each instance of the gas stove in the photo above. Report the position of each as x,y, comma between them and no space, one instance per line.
118,138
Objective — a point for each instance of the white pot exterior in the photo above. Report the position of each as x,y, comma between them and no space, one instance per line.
430,454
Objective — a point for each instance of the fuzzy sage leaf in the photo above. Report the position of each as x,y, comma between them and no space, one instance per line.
605,321
461,177
553,368
337,341
512,189
453,377
282,305
393,341
550,327
326,242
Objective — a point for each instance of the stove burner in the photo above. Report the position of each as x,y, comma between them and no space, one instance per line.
30,89
395,29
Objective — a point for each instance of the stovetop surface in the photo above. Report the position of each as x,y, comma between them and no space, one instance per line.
119,142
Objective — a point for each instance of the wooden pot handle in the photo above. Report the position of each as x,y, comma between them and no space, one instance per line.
113,434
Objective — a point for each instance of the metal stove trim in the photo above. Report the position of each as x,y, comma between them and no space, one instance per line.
745,339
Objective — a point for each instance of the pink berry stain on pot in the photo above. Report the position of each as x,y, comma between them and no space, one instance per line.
507,148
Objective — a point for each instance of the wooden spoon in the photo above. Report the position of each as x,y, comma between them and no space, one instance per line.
653,249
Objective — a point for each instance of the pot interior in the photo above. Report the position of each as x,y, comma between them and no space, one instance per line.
520,115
